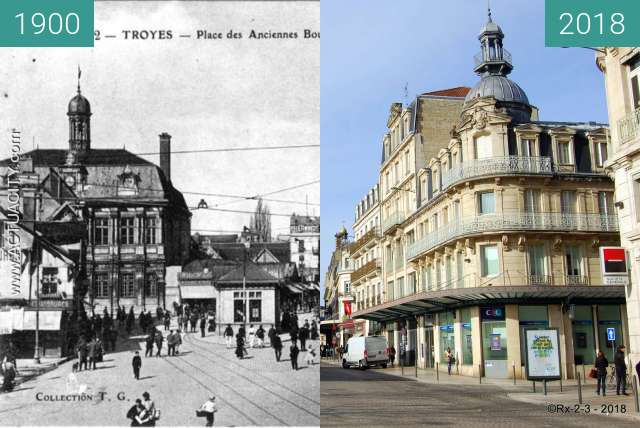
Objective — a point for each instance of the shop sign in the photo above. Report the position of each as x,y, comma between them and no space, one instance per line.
613,264
492,314
543,354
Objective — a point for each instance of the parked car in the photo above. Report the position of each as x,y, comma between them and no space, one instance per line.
365,351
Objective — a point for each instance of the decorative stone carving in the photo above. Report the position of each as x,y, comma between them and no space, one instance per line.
595,243
557,243
505,242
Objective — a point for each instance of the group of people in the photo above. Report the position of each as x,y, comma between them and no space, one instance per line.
174,340
90,352
602,364
191,318
143,413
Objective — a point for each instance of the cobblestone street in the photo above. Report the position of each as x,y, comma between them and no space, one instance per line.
254,391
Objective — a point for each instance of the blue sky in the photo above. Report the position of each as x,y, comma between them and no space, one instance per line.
371,48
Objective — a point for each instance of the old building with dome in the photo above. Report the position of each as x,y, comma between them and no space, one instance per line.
490,221
137,223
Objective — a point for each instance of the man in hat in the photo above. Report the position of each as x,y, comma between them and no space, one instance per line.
209,408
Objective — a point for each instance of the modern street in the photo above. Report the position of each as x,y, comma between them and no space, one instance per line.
254,391
375,398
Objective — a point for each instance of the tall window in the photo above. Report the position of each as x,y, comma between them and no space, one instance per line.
390,293
347,287
573,260
601,153
486,203
482,146
126,230
127,285
634,72
255,306
102,231
401,290
531,201
412,283
238,306
459,270
448,270
407,159
427,274
605,203
101,285
489,260
150,230
568,202
537,270
564,154
528,147
151,286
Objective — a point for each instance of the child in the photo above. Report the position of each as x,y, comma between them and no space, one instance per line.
311,355
136,363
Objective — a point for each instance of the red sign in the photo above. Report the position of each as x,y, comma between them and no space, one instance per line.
614,260
347,308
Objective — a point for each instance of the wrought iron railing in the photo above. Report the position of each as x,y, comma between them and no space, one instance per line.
364,270
480,57
514,221
364,239
576,280
503,165
392,220
628,127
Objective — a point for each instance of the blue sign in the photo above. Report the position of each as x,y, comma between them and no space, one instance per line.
611,334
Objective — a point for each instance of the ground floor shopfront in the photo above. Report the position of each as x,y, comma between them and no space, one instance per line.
489,339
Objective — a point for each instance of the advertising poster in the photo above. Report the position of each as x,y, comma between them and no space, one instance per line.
543,354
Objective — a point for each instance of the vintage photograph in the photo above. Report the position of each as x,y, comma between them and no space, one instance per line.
160,220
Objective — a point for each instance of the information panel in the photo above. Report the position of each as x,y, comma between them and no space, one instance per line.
543,354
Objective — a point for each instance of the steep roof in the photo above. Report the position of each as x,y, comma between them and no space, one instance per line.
253,273
457,92
235,251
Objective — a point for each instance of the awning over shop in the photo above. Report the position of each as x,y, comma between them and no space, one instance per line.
293,288
444,300
11,320
197,292
49,320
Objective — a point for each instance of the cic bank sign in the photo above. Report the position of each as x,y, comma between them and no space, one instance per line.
492,313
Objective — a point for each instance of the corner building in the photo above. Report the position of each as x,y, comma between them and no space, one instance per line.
497,230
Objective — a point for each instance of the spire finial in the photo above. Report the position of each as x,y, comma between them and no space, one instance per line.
79,74
489,10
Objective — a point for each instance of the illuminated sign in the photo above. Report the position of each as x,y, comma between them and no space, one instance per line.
492,314
613,264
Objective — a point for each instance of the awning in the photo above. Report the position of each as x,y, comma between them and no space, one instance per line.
293,288
446,300
6,322
197,292
49,320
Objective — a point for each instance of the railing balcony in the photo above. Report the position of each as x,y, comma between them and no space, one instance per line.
392,220
482,57
514,222
365,239
576,280
365,270
628,127
539,279
504,165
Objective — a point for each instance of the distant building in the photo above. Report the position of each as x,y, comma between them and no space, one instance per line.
304,239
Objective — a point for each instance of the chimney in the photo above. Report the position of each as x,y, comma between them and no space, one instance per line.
165,154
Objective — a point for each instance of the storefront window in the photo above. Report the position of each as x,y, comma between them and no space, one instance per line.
467,341
447,339
584,347
531,317
238,306
609,317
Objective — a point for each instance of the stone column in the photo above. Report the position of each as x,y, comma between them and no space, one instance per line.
476,339
512,319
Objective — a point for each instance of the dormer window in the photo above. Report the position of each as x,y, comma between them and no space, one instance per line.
128,182
601,153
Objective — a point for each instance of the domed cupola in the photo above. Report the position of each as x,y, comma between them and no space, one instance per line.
493,64
79,113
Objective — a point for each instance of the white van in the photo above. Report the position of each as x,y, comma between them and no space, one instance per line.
365,351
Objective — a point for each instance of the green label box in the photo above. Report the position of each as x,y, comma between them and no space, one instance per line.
46,23
592,23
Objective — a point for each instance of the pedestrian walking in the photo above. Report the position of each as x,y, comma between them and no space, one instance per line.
137,414
149,345
92,353
242,332
252,336
276,344
228,336
81,350
179,335
240,351
172,341
601,369
303,334
194,320
621,370
150,407
293,334
260,337
311,356
211,321
448,355
167,320
392,355
209,409
293,353
113,338
159,340
136,362
203,325
271,333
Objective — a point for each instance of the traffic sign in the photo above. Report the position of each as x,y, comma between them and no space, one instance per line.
611,334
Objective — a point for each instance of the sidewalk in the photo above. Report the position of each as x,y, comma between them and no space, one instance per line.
611,405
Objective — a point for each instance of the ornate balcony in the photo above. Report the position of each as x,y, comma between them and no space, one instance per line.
393,220
365,270
548,222
365,239
628,127
505,165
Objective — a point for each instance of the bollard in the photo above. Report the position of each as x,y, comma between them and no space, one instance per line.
544,386
534,386
480,373
584,377
437,372
579,389
635,393
514,373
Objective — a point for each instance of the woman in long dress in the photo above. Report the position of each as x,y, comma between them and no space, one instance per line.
239,346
